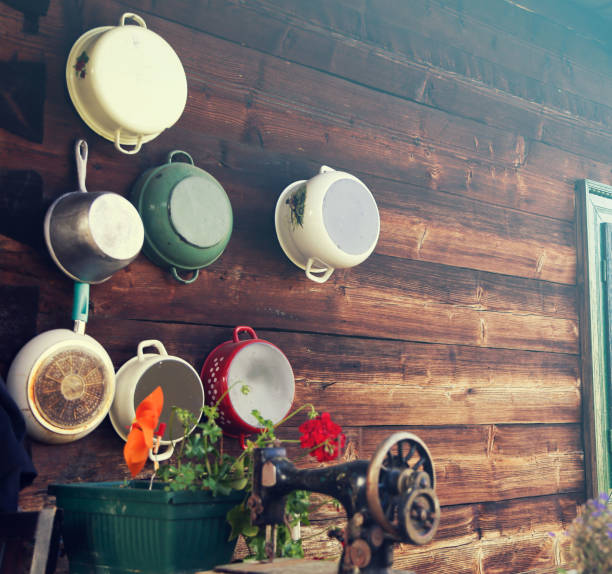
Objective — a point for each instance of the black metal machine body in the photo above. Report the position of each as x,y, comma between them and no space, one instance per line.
388,499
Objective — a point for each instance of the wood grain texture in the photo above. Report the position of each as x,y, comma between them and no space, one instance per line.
470,121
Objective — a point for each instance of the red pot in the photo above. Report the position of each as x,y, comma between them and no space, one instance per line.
263,368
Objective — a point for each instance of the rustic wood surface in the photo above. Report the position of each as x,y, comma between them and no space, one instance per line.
470,121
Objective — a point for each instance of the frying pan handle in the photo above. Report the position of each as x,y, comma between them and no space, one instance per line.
81,151
80,306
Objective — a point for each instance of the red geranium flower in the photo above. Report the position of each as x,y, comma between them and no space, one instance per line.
323,437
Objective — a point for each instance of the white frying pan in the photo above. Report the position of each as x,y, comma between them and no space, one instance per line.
63,381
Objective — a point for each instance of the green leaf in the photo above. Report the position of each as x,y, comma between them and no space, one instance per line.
239,519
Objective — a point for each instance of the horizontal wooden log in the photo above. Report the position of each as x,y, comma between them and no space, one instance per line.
415,384
474,463
461,477
493,461
384,297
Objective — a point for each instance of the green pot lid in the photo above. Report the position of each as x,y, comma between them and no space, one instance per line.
200,211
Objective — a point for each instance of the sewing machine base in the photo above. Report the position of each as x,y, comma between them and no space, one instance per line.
289,566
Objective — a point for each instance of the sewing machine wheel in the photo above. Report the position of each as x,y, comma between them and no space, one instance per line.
402,467
421,515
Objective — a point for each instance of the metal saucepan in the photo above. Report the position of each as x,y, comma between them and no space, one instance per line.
63,381
92,235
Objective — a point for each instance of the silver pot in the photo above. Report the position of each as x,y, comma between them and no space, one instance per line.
92,235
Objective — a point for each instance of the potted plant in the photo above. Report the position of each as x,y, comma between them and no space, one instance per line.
190,517
590,536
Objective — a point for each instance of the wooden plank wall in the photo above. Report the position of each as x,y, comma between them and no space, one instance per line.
470,120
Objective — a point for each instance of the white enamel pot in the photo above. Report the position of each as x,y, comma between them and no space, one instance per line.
63,381
140,376
328,222
126,82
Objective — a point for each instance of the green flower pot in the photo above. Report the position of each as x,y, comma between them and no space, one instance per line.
113,528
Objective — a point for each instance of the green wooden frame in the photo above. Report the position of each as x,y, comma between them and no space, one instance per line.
593,209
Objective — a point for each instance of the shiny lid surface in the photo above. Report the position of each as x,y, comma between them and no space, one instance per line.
138,79
200,211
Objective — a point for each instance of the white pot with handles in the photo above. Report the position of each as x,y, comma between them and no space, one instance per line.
140,376
328,222
126,82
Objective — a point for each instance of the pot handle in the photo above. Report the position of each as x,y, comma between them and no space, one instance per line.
132,16
81,151
132,151
150,343
318,278
177,152
237,331
180,279
326,169
160,456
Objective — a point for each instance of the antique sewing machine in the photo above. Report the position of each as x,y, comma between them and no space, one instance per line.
388,499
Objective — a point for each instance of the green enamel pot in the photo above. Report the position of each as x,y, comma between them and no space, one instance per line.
186,214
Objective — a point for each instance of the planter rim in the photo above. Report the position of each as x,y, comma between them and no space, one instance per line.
138,491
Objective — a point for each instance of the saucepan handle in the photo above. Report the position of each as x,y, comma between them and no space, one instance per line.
176,152
237,331
81,151
326,169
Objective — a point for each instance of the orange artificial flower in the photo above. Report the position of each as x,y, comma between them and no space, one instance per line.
140,439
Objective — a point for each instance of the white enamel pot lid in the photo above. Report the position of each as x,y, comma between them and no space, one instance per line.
126,82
